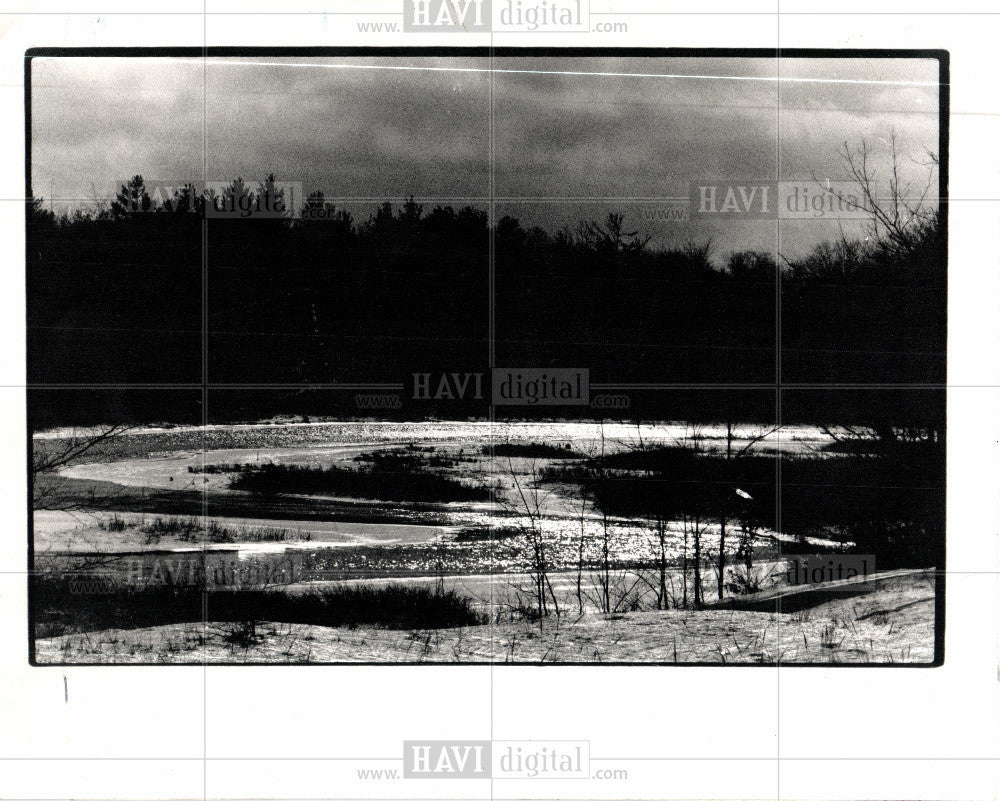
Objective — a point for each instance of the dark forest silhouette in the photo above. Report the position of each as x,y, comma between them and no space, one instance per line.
115,295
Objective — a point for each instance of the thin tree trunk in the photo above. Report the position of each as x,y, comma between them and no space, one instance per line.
722,554
606,567
697,562
579,558
722,519
685,561
662,601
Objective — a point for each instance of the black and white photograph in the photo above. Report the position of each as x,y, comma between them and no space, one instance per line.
500,400
458,355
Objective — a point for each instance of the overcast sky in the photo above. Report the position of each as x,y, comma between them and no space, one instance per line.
564,130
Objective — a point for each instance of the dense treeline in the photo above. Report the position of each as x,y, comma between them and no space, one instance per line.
886,496
118,294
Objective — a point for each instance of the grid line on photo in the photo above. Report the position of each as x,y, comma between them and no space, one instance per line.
721,758
778,351
204,405
491,363
207,14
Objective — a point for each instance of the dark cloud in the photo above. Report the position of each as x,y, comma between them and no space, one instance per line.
625,128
